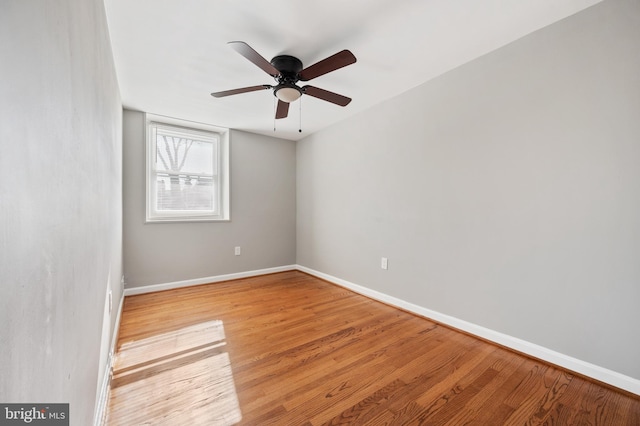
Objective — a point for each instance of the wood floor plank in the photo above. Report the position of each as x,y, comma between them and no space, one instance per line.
496,376
291,349
416,382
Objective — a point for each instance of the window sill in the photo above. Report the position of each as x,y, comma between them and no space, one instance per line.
184,220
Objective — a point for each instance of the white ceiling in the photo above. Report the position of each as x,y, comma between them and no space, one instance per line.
171,54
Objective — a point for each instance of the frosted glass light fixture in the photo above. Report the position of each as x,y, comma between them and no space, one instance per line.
287,92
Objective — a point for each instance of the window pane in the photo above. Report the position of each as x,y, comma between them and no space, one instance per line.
181,154
187,171
183,192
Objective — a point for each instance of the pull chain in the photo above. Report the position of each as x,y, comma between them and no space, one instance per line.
300,115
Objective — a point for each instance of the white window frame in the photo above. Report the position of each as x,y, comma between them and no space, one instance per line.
221,180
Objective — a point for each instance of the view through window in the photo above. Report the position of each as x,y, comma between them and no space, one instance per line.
185,174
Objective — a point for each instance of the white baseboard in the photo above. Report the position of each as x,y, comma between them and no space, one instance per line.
106,378
206,280
602,374
102,397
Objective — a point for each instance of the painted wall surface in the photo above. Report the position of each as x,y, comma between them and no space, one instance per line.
263,211
505,193
60,200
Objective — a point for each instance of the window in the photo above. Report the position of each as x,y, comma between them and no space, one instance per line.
187,171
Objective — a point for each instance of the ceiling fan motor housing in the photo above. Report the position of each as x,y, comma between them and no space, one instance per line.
289,67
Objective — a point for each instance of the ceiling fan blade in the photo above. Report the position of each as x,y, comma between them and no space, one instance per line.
282,110
326,95
247,51
332,63
238,91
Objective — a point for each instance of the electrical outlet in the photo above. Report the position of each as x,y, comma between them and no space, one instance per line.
110,301
237,251
384,264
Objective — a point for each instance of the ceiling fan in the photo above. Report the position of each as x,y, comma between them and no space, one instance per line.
287,71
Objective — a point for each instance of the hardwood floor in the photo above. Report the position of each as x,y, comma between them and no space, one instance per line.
290,349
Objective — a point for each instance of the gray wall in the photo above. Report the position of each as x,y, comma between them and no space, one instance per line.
505,193
263,211
60,200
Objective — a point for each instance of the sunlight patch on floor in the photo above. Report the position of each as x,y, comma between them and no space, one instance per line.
180,377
